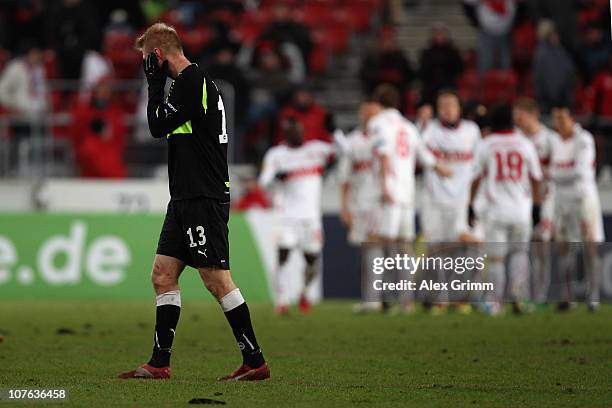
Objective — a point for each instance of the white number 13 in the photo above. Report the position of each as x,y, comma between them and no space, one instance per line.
200,231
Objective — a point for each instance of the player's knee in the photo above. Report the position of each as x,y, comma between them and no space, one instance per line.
161,277
217,288
311,258
283,255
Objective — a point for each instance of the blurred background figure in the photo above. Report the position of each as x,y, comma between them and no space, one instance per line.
24,96
72,28
494,19
98,134
284,29
316,122
23,83
440,64
386,63
554,73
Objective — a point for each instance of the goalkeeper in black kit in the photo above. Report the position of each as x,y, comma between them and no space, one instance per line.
192,120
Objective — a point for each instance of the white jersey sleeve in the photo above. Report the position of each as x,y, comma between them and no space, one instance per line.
585,157
533,162
424,156
268,169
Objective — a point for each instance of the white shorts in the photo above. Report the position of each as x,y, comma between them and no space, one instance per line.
547,214
306,235
579,220
363,224
443,223
502,238
396,221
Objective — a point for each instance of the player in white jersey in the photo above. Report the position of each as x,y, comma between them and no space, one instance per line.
527,119
357,175
444,215
296,171
359,200
578,216
452,140
397,146
508,168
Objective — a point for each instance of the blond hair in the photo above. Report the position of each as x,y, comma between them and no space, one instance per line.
161,36
527,104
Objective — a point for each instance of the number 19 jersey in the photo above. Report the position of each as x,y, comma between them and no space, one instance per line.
506,162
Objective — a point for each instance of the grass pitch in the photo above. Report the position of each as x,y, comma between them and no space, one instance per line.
329,358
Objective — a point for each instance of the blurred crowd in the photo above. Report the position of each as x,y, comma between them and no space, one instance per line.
75,58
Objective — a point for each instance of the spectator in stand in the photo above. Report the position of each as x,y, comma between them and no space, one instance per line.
98,135
21,19
223,67
270,85
594,50
563,14
23,84
315,120
554,73
386,63
440,64
72,28
494,19
284,29
23,93
95,67
269,80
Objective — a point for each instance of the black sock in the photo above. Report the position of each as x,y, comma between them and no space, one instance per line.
239,319
167,317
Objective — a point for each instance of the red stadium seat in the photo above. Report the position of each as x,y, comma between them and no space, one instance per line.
498,86
468,85
50,62
119,49
317,62
317,13
194,40
4,58
251,25
359,14
524,40
334,36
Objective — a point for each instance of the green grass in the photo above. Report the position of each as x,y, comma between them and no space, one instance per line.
328,358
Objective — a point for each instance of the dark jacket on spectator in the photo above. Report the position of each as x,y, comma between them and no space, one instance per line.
440,65
391,67
70,31
554,76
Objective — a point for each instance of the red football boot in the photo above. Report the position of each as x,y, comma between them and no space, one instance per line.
281,310
147,372
246,373
304,304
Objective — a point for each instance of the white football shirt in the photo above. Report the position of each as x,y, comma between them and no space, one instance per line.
572,164
397,139
299,195
357,168
506,162
453,147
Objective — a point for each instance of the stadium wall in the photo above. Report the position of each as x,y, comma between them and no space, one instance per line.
79,239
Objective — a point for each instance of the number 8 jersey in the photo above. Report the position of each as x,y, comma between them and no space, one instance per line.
506,161
398,139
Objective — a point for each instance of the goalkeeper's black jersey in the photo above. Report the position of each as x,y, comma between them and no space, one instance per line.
192,118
